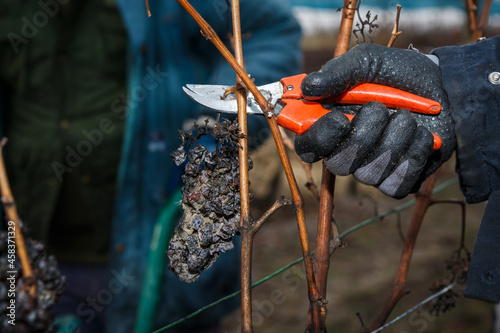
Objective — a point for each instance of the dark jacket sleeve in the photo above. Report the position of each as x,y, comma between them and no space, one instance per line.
475,105
471,77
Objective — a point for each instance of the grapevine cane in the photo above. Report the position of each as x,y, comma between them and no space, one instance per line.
246,218
395,31
483,21
10,210
211,35
317,315
471,9
297,198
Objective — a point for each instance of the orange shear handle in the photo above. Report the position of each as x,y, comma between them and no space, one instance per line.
299,114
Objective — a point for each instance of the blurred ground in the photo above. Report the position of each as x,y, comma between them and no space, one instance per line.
361,274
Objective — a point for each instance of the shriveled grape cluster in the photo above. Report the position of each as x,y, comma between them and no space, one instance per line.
32,313
210,201
458,268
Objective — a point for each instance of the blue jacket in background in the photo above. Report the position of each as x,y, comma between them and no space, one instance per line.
168,51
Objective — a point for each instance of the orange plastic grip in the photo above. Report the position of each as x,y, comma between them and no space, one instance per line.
364,93
390,97
298,114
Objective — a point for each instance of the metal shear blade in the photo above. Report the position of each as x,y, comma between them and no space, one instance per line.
212,96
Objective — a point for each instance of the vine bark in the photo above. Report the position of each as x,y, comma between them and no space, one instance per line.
317,313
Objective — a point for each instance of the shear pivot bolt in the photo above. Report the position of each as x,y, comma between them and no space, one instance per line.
289,87
494,77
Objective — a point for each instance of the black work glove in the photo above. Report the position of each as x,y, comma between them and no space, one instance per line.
389,149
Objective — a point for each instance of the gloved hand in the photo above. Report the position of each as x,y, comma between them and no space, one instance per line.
389,149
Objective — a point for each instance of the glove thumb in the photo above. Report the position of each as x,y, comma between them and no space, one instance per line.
342,73
322,137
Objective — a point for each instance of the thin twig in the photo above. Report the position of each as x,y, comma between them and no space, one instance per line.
281,202
461,203
483,21
336,241
471,8
373,202
147,8
397,209
361,322
395,30
11,212
348,12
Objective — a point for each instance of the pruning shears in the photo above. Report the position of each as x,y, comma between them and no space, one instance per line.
297,113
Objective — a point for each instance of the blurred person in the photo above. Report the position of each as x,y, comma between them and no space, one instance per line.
91,103
393,149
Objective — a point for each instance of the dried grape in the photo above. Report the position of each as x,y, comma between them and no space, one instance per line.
458,268
210,201
32,313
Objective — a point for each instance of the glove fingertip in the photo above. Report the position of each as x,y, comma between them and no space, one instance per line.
397,185
309,157
315,84
343,163
407,177
322,137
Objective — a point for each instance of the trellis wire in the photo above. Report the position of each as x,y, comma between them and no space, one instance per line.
358,226
427,300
